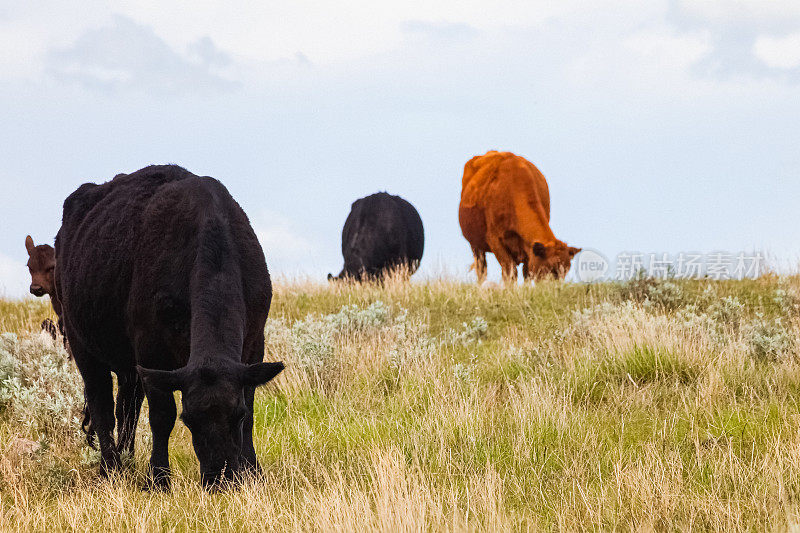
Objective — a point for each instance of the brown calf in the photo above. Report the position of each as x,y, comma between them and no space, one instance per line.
41,265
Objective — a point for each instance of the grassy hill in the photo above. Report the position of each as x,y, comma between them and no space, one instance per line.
444,406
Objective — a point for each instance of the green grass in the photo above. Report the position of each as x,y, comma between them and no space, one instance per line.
609,406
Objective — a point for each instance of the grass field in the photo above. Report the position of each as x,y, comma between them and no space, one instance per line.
444,406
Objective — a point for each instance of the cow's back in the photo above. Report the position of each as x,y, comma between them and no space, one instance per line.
196,252
501,194
95,256
381,230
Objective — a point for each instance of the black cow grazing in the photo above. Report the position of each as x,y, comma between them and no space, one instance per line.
381,232
160,272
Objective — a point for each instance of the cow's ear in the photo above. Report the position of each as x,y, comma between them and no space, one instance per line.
161,380
574,251
260,373
539,250
29,245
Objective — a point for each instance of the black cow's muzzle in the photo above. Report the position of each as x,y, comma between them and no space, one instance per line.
218,480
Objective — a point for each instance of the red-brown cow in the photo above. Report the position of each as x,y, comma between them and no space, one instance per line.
505,209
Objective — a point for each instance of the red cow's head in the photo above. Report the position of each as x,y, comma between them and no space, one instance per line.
551,260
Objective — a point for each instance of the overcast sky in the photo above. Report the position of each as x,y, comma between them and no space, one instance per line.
661,126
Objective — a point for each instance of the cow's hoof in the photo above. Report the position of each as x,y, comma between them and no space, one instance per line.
109,463
157,484
251,469
159,480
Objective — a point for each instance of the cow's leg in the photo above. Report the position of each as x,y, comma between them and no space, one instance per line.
509,271
527,273
253,353
480,264
507,262
162,412
99,396
162,420
129,403
49,327
249,460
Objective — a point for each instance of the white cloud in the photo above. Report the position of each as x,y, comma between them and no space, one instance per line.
278,238
14,277
749,43
665,48
28,30
255,32
330,32
439,30
779,52
736,11
327,32
253,43
128,55
20,56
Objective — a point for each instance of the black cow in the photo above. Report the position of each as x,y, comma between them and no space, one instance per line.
160,272
381,232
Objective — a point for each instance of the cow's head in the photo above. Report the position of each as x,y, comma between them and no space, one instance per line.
41,264
551,260
214,410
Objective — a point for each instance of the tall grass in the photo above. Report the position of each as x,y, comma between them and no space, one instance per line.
446,406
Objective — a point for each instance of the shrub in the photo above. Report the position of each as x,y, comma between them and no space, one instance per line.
637,287
40,388
788,301
584,320
412,344
312,343
665,295
462,373
728,311
351,318
654,293
472,331
770,340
